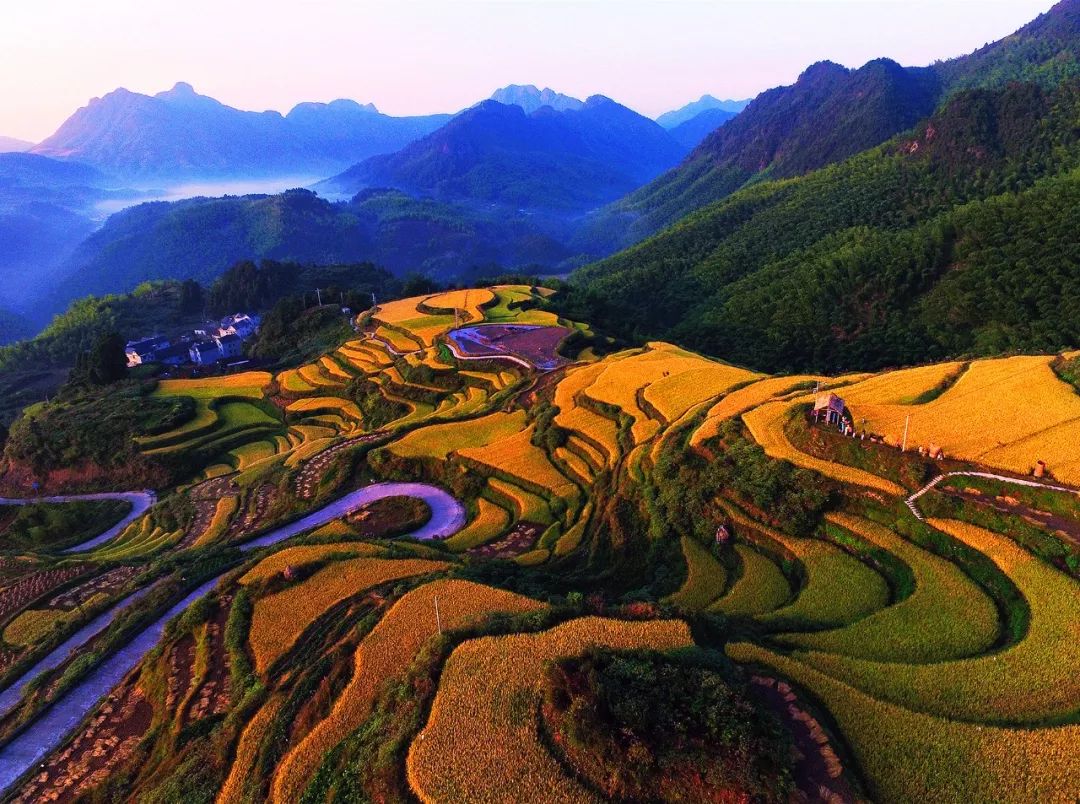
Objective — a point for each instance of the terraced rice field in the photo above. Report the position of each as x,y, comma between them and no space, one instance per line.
32,626
902,387
747,398
471,302
398,339
507,295
305,554
480,741
280,618
328,404
947,616
1028,683
384,655
527,506
490,521
928,684
912,756
224,511
705,577
588,424
1006,413
766,423
516,456
253,453
439,440
676,393
621,380
760,589
233,418
248,383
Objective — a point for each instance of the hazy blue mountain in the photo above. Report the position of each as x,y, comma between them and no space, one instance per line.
181,134
705,103
569,160
12,145
529,98
698,127
349,131
46,210
36,170
36,236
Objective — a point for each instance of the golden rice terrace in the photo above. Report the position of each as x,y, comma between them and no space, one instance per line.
434,563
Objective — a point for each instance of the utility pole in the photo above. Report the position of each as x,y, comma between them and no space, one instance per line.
438,619
318,293
907,423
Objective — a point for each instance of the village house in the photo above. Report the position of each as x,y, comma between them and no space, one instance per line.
830,409
204,353
145,350
243,325
204,345
229,345
175,355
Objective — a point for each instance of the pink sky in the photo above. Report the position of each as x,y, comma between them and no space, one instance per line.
419,56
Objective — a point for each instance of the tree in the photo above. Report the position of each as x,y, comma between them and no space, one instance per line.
191,297
417,285
104,364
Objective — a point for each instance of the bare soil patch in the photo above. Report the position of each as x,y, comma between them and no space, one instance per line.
534,344
519,540
389,517
818,771
107,743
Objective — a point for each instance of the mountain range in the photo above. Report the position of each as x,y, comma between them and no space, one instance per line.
12,145
181,134
956,238
529,98
829,114
570,160
737,243
199,238
706,103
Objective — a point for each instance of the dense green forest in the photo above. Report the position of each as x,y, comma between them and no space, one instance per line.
956,239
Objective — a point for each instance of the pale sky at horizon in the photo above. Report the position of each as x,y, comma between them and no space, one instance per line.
424,56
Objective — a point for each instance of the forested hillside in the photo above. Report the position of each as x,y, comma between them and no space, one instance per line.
959,238
829,114
199,238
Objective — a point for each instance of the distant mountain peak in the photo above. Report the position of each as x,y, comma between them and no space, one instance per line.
823,69
14,145
340,106
181,89
179,133
529,98
705,103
